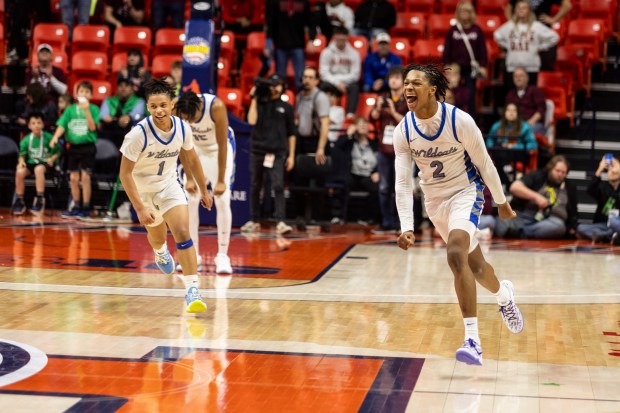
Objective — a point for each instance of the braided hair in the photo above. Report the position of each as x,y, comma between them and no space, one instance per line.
434,73
158,87
188,105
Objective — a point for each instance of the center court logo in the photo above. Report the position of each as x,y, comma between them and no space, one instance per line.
19,361
196,51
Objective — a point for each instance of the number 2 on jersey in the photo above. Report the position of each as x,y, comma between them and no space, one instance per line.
162,163
437,172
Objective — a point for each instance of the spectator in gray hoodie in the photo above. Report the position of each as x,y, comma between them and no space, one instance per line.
340,66
524,37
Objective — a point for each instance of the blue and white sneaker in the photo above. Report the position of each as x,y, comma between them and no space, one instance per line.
195,303
510,312
470,353
165,262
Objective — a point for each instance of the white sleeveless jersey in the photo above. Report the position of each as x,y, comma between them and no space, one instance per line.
156,153
203,130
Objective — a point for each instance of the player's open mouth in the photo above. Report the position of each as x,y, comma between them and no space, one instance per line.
160,118
411,99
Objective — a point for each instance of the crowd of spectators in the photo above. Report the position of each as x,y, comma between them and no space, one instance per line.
327,108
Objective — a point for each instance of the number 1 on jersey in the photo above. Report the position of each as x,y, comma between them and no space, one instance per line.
161,168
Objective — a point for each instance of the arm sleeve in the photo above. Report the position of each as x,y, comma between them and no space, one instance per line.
64,118
23,146
501,35
94,112
368,77
348,20
403,164
290,121
324,59
547,37
470,136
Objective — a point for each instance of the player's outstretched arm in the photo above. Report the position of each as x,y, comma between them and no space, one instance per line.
404,180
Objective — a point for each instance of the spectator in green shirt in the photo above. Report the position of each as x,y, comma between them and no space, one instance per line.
37,156
79,125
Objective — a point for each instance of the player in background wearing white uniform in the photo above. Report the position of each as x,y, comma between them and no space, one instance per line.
215,146
149,175
448,147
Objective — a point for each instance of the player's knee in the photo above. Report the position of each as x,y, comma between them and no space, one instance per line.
457,259
74,177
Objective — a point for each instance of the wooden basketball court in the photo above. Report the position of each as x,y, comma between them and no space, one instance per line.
336,322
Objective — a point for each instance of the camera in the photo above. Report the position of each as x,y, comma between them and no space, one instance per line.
263,86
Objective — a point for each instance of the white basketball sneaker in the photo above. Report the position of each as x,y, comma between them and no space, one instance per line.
222,264
510,312
470,353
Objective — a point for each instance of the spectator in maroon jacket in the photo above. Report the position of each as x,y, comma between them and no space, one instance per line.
51,77
455,50
529,99
243,16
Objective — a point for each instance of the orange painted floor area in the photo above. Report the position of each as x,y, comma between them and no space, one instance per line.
203,380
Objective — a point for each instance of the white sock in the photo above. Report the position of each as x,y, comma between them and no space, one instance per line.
502,295
161,250
471,328
190,281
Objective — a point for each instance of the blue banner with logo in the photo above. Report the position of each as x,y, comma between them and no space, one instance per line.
199,66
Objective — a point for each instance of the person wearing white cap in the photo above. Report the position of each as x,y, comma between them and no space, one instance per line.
377,65
51,77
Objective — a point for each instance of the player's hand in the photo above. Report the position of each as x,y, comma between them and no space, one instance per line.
541,201
53,142
320,157
191,187
505,211
406,240
219,188
145,216
290,163
206,200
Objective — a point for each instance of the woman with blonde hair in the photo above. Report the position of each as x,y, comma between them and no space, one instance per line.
524,37
465,45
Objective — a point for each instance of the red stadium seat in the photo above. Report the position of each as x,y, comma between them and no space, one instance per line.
223,73
227,47
289,97
256,43
59,60
589,33
320,43
411,25
136,37
169,41
425,7
399,46
56,35
2,44
491,7
428,50
365,104
562,80
90,37
359,43
101,89
233,100
561,28
448,6
439,24
488,24
575,60
600,9
90,65
162,63
558,96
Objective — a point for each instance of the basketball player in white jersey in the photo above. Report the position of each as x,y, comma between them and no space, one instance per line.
149,175
448,147
215,146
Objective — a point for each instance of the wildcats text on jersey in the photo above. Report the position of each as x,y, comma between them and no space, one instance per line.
163,154
433,152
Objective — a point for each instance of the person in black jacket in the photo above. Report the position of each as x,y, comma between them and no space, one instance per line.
607,194
286,23
373,17
272,149
545,203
